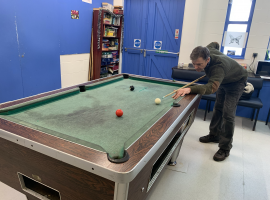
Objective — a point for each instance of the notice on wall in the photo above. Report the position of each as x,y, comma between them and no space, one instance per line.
235,39
74,14
176,34
158,45
87,1
137,43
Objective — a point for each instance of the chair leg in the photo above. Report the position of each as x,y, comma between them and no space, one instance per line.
267,117
209,106
205,112
253,112
256,119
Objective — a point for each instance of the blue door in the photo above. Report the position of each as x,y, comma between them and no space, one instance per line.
155,23
135,26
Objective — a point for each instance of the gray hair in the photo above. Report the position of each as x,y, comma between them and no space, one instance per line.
200,52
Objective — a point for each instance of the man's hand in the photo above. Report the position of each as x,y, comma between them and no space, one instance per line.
181,92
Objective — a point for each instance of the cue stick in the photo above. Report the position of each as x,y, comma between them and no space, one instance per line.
184,86
90,73
92,56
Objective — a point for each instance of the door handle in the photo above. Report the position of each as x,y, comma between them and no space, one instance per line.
132,49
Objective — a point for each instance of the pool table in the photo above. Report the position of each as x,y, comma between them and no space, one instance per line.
69,143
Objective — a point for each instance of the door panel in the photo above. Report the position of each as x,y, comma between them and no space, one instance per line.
159,66
135,28
162,24
134,62
158,20
135,22
171,13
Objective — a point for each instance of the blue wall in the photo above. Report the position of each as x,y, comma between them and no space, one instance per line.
33,35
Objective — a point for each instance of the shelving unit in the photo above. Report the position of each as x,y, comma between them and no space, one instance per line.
105,36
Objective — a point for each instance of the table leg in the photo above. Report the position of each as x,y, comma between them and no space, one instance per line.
175,154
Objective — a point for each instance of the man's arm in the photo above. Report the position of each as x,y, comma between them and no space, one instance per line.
216,77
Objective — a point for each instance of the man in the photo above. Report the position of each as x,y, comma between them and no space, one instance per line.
227,78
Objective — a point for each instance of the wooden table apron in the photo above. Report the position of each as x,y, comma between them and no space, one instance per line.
79,172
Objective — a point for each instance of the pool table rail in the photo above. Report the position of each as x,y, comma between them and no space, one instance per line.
25,99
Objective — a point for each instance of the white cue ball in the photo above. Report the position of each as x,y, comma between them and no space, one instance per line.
157,101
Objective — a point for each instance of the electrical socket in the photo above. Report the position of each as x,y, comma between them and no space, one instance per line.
255,55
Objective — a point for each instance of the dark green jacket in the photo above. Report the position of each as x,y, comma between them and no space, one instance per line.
220,70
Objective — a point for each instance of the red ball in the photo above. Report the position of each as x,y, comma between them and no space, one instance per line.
119,113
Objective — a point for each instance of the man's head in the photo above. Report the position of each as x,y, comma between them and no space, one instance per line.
200,56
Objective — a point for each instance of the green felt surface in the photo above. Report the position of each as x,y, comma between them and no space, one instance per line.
88,118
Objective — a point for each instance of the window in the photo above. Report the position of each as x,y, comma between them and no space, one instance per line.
237,26
267,55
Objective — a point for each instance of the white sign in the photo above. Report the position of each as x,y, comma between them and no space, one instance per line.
87,1
158,45
176,34
235,39
137,43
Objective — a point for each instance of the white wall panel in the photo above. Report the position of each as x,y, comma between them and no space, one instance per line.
214,15
256,41
260,16
262,4
207,38
215,4
260,28
212,27
191,29
74,69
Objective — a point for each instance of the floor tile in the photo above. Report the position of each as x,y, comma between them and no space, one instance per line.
8,193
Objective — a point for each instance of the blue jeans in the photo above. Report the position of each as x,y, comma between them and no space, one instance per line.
223,120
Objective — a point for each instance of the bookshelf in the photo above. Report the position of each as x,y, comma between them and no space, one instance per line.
105,43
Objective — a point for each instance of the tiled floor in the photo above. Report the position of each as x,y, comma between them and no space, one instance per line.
245,174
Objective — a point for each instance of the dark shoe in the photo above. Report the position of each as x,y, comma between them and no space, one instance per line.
209,138
221,155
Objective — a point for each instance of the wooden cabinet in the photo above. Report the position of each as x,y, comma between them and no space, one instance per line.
105,43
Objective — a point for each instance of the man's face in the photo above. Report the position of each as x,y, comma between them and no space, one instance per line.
200,64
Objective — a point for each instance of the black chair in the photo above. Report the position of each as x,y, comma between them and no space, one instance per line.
209,98
266,122
254,102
